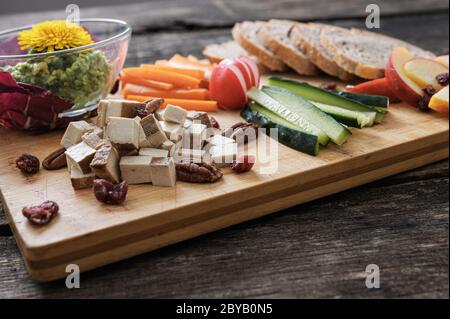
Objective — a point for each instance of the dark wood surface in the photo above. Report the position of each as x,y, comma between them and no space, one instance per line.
319,249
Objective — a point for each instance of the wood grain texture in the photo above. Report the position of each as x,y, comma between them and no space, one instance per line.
175,14
220,257
317,250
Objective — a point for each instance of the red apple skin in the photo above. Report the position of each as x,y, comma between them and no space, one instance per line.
399,87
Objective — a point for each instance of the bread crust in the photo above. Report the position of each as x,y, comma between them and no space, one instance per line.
291,57
317,56
263,55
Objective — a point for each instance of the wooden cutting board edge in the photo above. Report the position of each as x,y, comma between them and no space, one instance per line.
127,250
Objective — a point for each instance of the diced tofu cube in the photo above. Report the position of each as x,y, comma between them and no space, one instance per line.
170,147
74,132
217,140
197,136
136,169
163,172
80,157
174,131
80,180
123,131
187,124
117,108
93,140
105,164
224,155
175,114
195,155
153,152
199,118
153,132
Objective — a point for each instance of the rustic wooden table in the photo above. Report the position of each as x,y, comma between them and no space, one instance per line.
319,249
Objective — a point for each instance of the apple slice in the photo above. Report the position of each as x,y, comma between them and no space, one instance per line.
439,101
424,72
443,59
402,86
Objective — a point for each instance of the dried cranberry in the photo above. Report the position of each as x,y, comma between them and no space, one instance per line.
328,86
41,214
243,164
109,193
28,164
442,79
429,90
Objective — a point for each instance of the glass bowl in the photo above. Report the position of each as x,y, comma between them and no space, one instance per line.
81,75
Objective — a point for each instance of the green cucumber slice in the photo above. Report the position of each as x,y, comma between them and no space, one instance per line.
298,105
348,117
294,118
288,134
316,94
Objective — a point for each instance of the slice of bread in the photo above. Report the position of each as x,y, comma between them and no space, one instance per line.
274,35
306,37
217,52
246,34
362,52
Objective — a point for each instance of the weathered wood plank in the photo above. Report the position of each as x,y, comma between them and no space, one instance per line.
163,14
320,249
145,48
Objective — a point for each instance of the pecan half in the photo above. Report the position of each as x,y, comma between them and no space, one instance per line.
41,214
28,164
56,160
191,172
242,132
153,105
109,193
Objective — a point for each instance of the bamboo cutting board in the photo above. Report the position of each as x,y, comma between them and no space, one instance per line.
90,234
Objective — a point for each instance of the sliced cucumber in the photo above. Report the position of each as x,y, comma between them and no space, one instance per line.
379,102
288,134
337,132
284,112
348,117
316,94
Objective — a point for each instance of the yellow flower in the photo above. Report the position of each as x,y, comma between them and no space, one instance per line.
55,35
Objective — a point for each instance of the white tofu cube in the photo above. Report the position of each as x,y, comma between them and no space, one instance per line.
117,108
80,180
136,169
197,133
153,132
153,152
173,131
93,140
175,114
80,157
224,155
163,172
217,140
123,132
105,164
74,132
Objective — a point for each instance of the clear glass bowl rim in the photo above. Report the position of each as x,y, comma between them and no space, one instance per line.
95,45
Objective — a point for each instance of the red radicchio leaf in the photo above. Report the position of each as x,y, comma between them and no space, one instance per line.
25,106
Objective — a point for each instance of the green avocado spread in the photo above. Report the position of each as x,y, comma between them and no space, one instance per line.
80,78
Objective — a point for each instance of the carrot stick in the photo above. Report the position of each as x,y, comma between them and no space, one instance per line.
194,94
179,80
126,79
190,105
196,73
